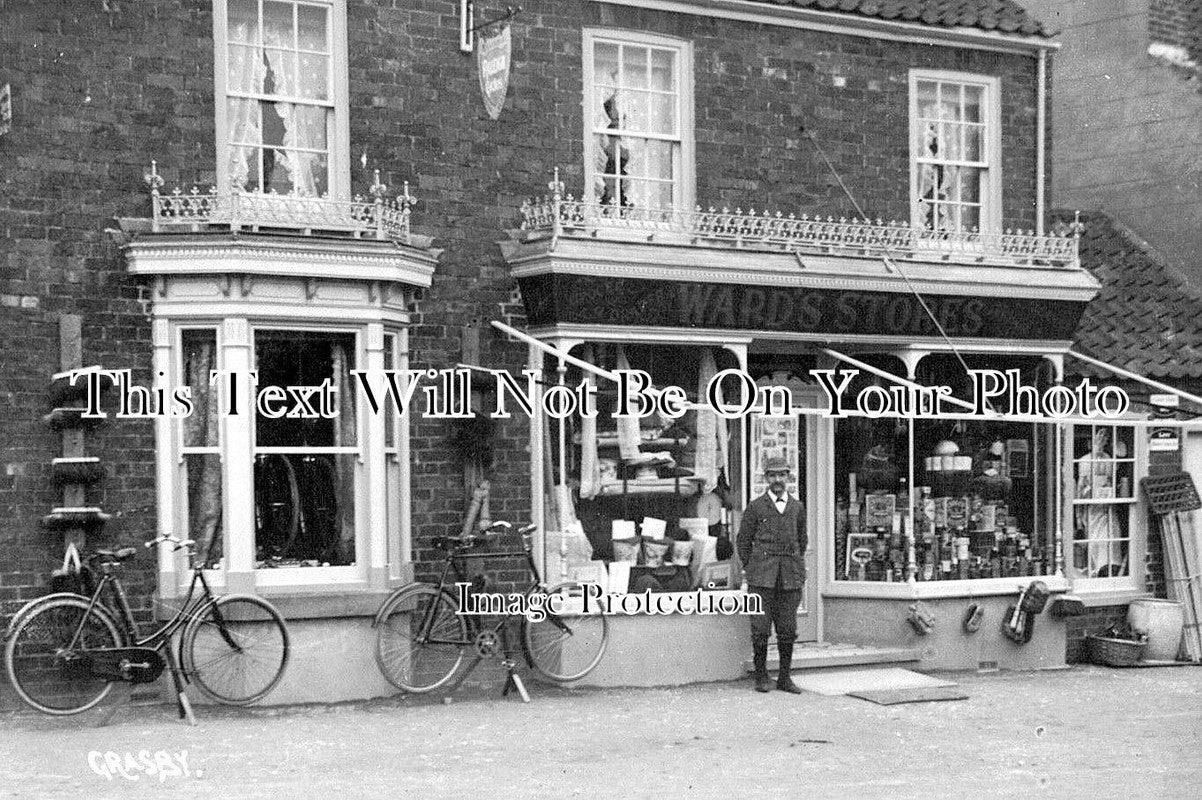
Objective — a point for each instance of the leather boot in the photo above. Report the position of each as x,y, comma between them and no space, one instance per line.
784,678
763,683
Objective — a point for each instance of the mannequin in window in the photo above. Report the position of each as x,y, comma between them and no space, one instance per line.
1097,526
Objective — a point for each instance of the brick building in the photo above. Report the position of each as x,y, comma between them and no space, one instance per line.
367,213
1127,100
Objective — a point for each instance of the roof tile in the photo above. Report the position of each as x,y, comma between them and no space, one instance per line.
1003,16
1145,317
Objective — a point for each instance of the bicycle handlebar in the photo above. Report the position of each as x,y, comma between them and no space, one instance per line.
171,537
489,534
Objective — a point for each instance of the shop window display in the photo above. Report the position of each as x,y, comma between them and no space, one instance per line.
977,505
651,496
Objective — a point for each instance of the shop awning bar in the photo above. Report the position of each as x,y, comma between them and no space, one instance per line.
1122,373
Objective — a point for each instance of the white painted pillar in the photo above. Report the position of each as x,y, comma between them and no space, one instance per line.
372,496
167,461
405,545
238,464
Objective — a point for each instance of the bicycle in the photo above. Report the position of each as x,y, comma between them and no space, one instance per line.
63,652
422,638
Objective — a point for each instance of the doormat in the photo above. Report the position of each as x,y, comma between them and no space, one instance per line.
926,694
836,681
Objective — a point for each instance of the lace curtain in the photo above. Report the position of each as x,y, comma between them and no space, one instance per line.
291,136
634,108
607,157
344,436
200,430
937,181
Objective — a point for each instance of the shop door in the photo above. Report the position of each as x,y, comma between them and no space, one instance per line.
786,437
809,627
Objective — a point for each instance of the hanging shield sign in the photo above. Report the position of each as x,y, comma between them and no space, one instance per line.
492,56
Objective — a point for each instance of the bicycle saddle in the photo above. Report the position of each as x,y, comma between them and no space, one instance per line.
457,543
117,556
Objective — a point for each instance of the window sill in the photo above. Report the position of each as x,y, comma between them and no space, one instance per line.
313,601
983,587
326,605
1109,597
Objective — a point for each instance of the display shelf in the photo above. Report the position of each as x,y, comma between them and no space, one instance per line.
611,440
686,484
70,418
65,517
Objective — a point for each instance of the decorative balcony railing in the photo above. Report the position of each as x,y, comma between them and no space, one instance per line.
560,214
378,217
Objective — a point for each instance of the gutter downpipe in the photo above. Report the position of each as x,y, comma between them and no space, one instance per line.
1041,114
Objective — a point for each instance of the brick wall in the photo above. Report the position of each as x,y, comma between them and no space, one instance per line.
99,94
1176,22
95,96
1127,133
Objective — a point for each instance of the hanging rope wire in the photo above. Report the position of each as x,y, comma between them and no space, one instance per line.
889,262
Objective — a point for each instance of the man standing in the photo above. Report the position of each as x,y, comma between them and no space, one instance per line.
772,544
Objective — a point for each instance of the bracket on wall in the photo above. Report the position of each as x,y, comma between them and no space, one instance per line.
468,28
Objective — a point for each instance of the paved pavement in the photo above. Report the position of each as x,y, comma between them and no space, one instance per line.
1088,732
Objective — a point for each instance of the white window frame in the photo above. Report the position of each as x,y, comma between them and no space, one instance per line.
339,142
292,576
686,178
1134,583
991,179
182,512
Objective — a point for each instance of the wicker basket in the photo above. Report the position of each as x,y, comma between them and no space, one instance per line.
1114,652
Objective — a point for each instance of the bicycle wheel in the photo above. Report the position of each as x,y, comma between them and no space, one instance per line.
420,638
44,668
235,649
567,646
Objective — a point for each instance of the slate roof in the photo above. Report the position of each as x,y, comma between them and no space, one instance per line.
1001,16
1146,317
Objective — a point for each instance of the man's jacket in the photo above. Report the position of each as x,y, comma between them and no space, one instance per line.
772,544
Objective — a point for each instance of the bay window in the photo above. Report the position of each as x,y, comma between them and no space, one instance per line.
275,500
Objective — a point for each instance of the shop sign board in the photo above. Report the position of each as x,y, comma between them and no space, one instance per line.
493,60
1163,405
606,300
1164,440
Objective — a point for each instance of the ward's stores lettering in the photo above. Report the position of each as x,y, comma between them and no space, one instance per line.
717,306
606,300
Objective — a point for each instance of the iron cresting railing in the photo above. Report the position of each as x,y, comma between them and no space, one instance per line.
750,229
379,217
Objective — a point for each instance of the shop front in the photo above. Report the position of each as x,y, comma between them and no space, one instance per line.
923,531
